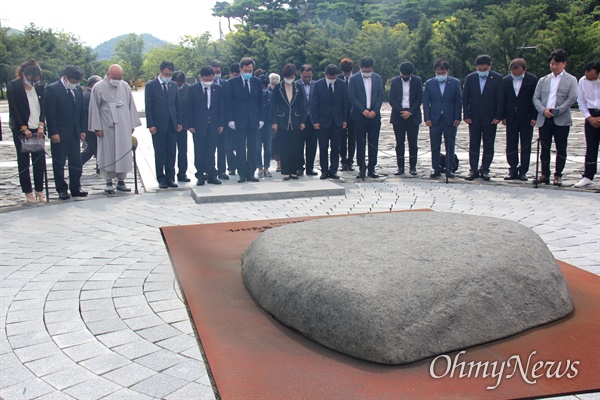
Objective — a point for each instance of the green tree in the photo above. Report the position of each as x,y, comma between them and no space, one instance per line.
157,55
130,54
247,42
420,49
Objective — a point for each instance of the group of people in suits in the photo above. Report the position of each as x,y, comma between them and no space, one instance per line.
520,101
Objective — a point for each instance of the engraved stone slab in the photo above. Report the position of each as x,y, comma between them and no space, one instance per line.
396,288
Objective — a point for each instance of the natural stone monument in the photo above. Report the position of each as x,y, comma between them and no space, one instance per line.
395,288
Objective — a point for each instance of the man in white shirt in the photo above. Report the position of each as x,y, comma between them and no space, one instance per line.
554,95
589,104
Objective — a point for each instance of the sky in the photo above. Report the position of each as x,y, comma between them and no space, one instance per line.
97,22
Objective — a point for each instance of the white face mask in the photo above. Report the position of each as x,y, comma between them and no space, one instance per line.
366,74
206,84
329,81
114,82
289,81
70,86
217,76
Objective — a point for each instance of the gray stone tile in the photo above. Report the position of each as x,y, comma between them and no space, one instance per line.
194,391
73,339
29,339
166,305
60,328
136,349
160,360
127,394
159,385
37,351
26,390
193,352
104,363
54,396
49,365
158,333
173,316
92,389
99,315
68,377
61,316
178,343
189,370
135,311
106,326
18,328
13,375
118,338
147,321
85,351
129,374
588,396
8,360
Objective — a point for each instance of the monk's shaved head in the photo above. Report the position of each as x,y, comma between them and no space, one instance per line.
115,72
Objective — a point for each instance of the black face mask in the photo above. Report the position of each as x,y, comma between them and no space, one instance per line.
406,78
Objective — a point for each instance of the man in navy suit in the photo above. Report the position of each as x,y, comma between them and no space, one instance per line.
406,97
206,120
309,134
164,118
348,141
67,123
330,117
225,156
366,98
519,117
244,113
483,105
442,104
182,137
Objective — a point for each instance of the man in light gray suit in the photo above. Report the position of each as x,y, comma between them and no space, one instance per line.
554,95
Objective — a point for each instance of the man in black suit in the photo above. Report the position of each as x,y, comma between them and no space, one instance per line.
330,116
519,117
206,119
182,136
244,113
225,156
366,97
348,140
66,122
164,118
483,105
90,137
309,134
406,97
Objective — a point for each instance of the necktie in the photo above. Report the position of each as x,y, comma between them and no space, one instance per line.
71,94
206,96
247,86
164,85
331,89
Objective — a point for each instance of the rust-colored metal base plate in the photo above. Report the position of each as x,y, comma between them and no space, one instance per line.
253,356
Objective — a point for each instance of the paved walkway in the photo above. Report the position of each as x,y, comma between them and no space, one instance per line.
90,307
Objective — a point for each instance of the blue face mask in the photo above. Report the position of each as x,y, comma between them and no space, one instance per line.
518,78
483,74
165,79
441,78
247,75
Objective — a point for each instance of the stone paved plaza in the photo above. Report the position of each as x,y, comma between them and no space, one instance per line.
89,304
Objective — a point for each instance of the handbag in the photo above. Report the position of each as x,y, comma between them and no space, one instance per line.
33,144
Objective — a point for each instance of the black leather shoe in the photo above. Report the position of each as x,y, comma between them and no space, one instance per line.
373,175
200,182
449,175
511,176
472,175
311,173
413,171
78,193
183,179
252,179
344,167
333,175
64,196
172,185
351,167
162,185
242,179
294,177
324,175
485,176
361,175
399,172
213,180
300,172
523,177
223,176
435,175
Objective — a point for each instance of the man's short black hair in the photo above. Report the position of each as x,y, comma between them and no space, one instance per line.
167,65
483,59
441,63
592,65
306,67
558,55
331,70
178,77
207,70
367,62
73,72
247,61
215,64
235,68
264,79
407,68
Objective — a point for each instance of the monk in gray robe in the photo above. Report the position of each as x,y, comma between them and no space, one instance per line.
114,117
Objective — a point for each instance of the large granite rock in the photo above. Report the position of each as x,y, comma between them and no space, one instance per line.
399,287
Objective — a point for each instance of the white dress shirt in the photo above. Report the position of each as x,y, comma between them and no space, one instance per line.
588,96
517,83
405,93
368,87
554,81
